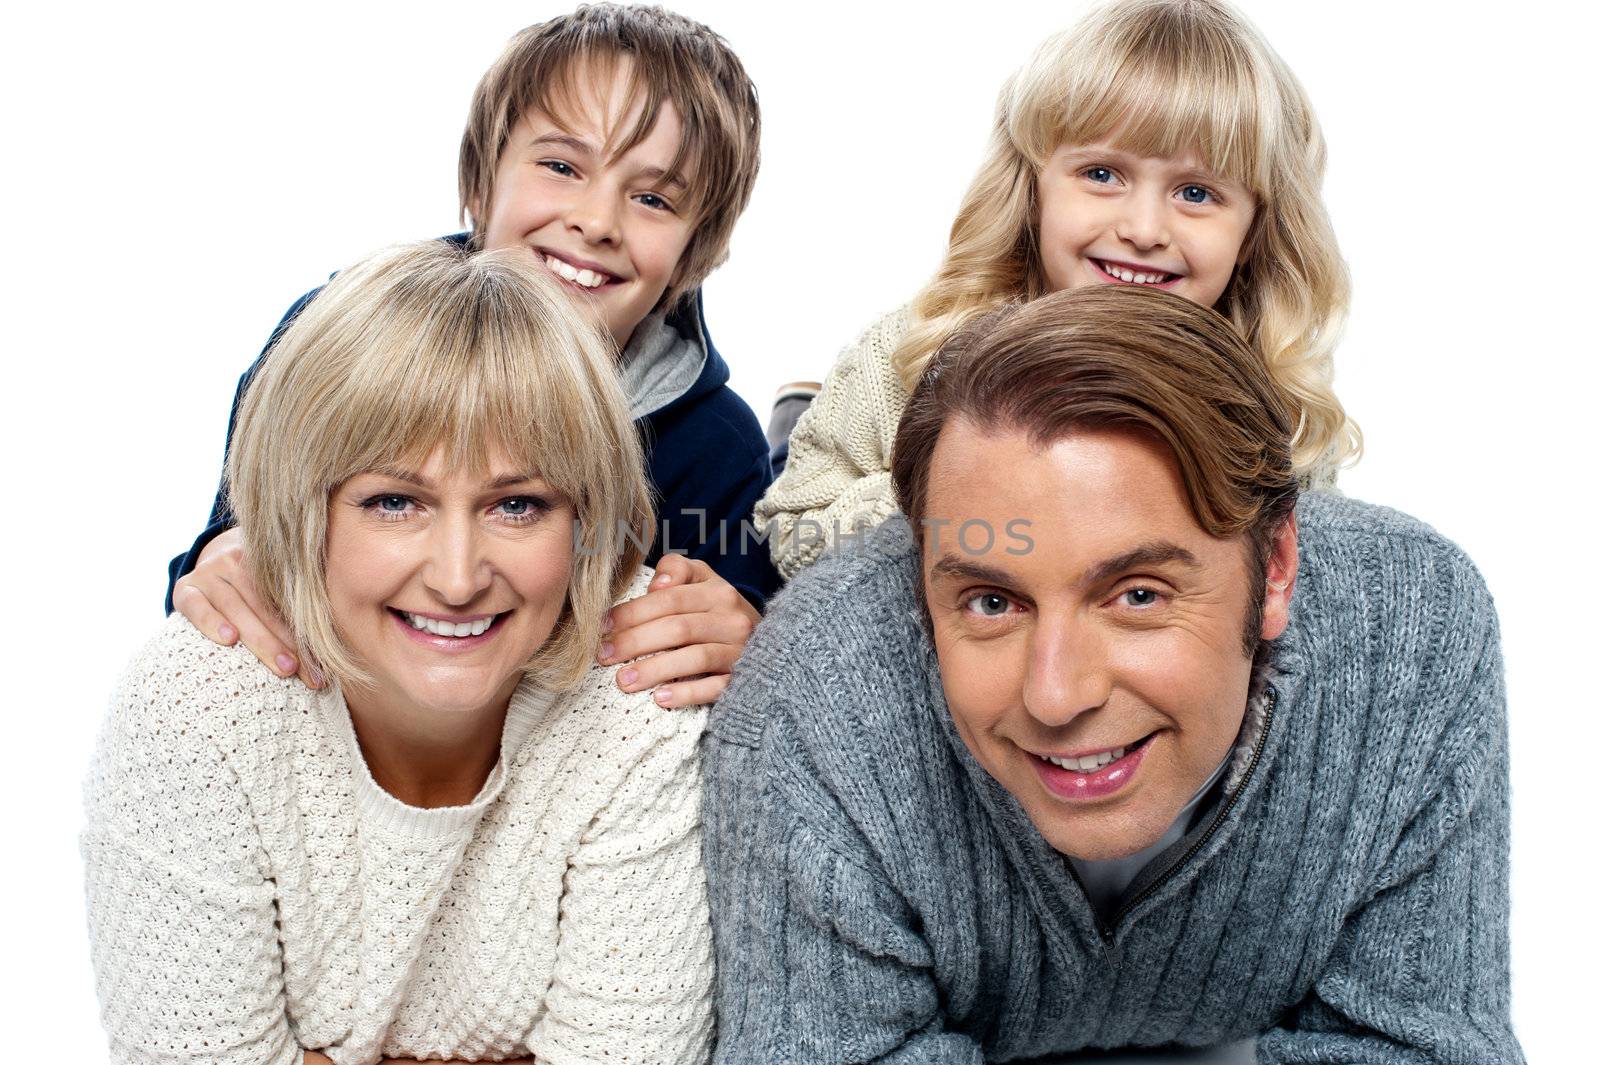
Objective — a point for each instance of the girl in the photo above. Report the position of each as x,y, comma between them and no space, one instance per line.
1158,142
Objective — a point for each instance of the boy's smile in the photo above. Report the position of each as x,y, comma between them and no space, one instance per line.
611,227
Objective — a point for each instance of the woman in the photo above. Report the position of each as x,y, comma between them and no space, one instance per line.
471,845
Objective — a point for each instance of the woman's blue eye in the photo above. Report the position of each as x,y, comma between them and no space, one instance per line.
523,508
1195,194
392,504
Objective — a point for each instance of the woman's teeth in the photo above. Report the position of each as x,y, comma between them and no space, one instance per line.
1089,763
586,278
1134,277
448,628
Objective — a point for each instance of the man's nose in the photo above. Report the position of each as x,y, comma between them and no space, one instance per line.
1067,673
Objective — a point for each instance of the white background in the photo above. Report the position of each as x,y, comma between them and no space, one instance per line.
176,176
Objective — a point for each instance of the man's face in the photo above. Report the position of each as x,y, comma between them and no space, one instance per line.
1100,674
610,227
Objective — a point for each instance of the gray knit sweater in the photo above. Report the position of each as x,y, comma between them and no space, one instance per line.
876,896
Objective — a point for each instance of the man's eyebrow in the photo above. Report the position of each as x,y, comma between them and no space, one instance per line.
966,569
1154,553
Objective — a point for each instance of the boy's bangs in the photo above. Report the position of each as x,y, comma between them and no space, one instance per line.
1158,102
558,96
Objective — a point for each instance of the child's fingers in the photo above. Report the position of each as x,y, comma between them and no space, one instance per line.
664,602
702,692
672,667
675,631
192,603
274,652
679,570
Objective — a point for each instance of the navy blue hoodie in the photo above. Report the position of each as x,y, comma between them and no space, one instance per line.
705,451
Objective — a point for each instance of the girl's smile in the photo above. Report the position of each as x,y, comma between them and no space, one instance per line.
1110,217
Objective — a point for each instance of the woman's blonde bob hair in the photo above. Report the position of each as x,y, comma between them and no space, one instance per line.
1159,78
421,347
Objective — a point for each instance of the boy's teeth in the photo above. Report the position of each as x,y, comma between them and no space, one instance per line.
448,628
1089,763
586,278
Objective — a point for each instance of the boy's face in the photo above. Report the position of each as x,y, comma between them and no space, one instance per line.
611,228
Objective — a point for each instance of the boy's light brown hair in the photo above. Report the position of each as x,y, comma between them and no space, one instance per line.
1119,357
668,57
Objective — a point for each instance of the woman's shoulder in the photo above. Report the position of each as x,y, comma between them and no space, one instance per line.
179,681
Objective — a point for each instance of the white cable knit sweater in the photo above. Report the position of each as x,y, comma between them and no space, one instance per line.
253,892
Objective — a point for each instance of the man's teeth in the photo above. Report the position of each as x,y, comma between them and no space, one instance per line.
1135,278
448,628
586,278
1089,763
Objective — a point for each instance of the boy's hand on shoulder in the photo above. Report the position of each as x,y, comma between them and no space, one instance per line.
220,599
693,623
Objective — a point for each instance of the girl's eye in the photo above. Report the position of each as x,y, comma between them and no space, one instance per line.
1141,597
523,510
556,166
1196,194
988,605
1100,175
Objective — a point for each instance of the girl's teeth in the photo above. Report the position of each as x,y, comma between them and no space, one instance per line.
1135,278
586,278
448,628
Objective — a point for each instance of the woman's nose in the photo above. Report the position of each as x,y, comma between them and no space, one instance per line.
458,570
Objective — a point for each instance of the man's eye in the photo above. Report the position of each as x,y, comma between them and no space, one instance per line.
988,605
1196,194
1141,597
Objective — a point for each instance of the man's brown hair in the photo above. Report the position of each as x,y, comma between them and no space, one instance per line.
1119,357
668,57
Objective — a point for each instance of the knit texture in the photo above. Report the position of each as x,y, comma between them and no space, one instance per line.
878,897
836,482
252,891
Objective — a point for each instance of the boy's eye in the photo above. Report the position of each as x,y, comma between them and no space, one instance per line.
654,202
1196,194
556,166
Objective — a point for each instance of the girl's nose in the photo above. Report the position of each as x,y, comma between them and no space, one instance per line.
1143,223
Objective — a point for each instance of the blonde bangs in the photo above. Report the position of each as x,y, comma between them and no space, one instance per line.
1153,80
426,347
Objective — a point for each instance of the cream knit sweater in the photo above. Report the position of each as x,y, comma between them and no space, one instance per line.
837,480
252,891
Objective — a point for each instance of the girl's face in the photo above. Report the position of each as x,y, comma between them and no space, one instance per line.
1108,217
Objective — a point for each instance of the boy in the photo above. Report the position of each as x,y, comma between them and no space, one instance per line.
619,144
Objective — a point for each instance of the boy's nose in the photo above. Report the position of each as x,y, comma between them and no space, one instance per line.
594,215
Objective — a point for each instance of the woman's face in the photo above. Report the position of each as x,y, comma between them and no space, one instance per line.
444,582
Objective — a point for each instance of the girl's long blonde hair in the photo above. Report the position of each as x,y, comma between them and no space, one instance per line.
1162,77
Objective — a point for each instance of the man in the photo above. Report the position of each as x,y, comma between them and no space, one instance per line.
1113,742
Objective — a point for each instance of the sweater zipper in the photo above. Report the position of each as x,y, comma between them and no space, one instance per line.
1107,934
